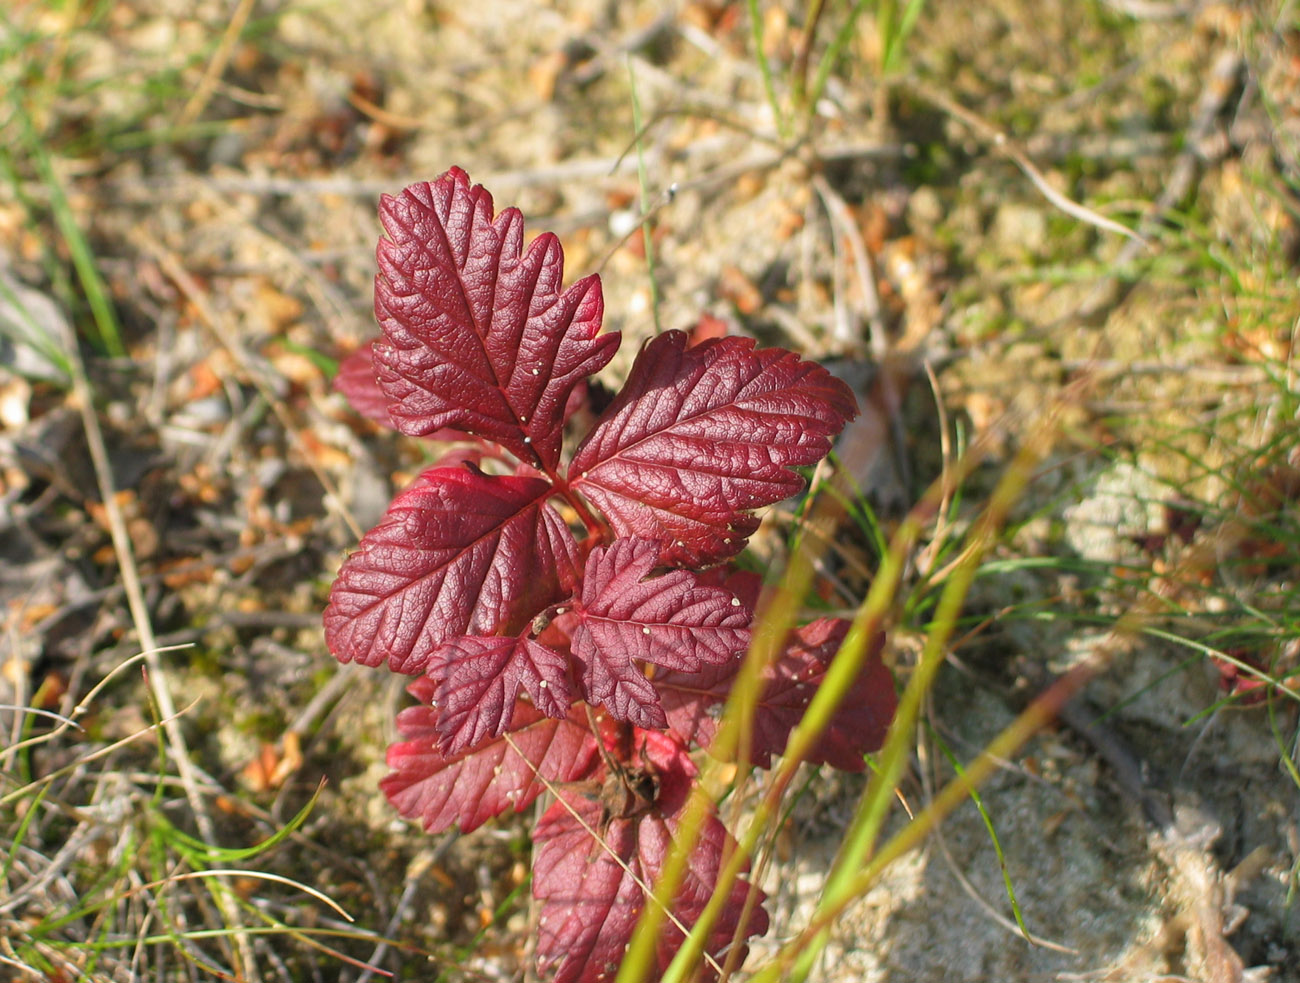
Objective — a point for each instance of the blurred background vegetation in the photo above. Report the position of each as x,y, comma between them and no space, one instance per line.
1069,225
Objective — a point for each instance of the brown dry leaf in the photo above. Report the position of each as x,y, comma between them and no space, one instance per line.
545,72
30,615
707,327
272,766
620,197
440,875
577,250
904,266
278,308
205,377
701,16
1268,343
778,37
14,672
734,286
199,486
1053,822
749,184
182,572
874,221
144,536
715,17
125,500
984,411
789,221
325,456
294,366
50,693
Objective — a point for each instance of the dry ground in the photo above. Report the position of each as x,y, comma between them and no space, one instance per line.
208,193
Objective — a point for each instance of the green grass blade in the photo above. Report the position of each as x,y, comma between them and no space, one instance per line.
1287,757
860,841
896,37
978,801
765,67
103,330
20,833
831,56
203,854
25,329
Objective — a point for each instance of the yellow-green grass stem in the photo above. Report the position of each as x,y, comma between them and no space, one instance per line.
1037,715
730,744
839,678
865,830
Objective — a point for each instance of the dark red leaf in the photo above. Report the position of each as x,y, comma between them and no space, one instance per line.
699,437
672,621
1246,687
478,335
590,901
357,381
479,680
693,701
459,552
745,584
471,787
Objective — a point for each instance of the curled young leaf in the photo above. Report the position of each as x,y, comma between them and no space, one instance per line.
478,334
700,437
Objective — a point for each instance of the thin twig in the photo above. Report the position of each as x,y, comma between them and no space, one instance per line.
1004,145
886,381
343,678
842,221
940,537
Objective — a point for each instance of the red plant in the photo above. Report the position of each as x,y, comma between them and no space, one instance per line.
589,666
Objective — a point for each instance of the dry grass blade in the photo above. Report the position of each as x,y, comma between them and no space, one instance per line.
103,752
843,224
242,952
217,66
320,896
82,705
